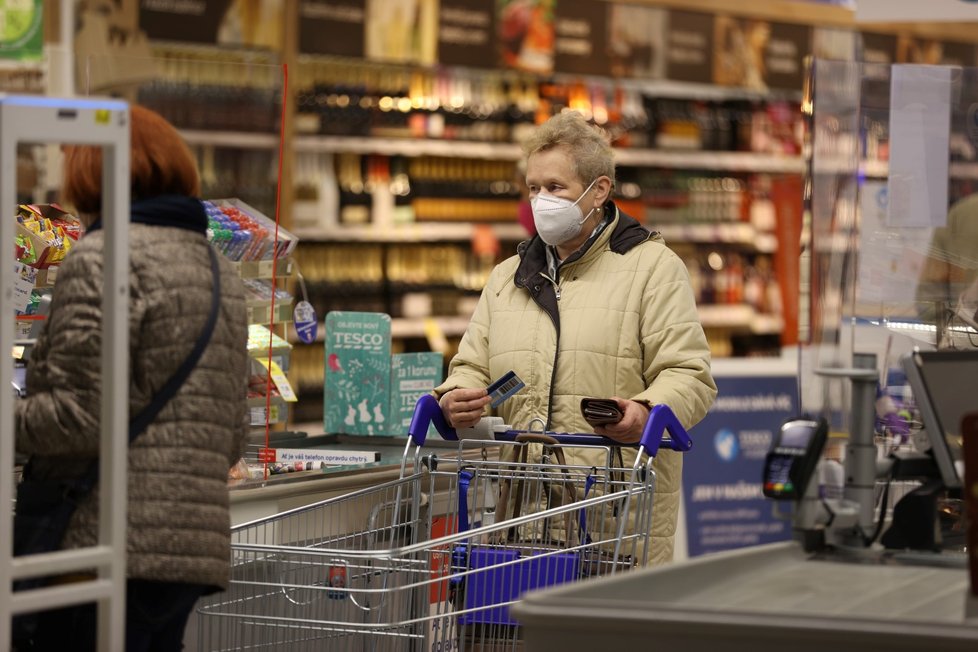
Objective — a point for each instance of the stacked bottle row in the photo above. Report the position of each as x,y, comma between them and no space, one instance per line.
384,277
735,278
367,100
425,188
249,174
215,89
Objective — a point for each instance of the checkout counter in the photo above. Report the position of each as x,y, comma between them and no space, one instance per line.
839,585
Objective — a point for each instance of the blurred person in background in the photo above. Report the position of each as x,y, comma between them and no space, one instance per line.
178,535
594,305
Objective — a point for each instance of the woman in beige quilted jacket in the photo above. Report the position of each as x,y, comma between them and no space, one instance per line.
594,306
178,516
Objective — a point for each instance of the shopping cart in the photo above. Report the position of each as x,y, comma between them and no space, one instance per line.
433,561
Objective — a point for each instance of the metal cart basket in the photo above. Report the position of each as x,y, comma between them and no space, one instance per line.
394,567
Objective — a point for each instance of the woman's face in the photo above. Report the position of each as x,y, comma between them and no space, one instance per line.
552,172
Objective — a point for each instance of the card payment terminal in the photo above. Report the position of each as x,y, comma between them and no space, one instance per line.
793,457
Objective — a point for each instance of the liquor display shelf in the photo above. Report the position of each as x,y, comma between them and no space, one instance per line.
407,233
872,169
232,139
736,233
693,159
742,318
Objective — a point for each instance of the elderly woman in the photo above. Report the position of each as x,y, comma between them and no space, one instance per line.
594,306
178,531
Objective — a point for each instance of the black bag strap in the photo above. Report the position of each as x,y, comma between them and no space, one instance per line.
84,484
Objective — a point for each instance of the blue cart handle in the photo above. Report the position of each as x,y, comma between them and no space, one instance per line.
428,412
661,420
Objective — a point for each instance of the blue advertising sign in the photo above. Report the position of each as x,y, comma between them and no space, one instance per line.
724,506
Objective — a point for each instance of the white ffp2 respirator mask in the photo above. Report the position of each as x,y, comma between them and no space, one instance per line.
558,220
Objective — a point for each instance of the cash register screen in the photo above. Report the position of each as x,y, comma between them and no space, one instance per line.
944,387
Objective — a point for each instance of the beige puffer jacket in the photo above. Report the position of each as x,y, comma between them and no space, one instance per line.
178,498
625,325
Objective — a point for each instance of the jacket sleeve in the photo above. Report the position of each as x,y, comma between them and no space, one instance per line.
61,414
676,353
470,366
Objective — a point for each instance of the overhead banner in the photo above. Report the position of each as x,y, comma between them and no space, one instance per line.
892,11
246,23
581,34
525,34
636,36
689,50
466,32
758,54
402,31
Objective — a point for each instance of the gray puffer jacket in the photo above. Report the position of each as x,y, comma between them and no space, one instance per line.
178,498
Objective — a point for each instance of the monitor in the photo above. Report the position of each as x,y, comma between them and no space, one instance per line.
943,384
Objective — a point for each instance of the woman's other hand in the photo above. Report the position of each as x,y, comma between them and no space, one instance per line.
629,429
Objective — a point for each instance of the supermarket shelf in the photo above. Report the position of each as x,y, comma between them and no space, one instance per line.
729,161
415,232
733,317
415,328
278,410
739,317
881,169
408,147
236,139
260,312
263,268
738,233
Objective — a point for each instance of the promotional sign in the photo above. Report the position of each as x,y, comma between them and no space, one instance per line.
724,505
581,33
195,22
466,32
525,34
21,29
758,54
401,31
878,48
636,41
332,27
689,48
890,11
412,376
356,393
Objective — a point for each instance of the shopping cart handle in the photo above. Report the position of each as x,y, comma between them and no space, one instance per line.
662,420
427,412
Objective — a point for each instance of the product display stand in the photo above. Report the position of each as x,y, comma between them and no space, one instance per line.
103,123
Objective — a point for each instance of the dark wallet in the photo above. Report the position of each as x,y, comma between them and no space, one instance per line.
600,411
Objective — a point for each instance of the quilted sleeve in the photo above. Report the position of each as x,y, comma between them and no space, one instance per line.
60,416
675,351
470,366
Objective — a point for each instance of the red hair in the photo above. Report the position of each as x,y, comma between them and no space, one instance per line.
160,164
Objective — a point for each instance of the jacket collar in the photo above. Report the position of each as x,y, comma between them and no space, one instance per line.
174,211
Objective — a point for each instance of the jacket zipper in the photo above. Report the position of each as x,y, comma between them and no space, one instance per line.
553,372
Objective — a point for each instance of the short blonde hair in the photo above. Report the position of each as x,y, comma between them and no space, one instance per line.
589,148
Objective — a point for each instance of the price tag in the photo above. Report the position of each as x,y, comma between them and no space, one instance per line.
281,381
305,322
24,278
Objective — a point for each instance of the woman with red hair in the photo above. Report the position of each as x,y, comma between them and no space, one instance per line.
178,536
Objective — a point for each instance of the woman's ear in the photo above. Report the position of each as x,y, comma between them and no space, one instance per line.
602,191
